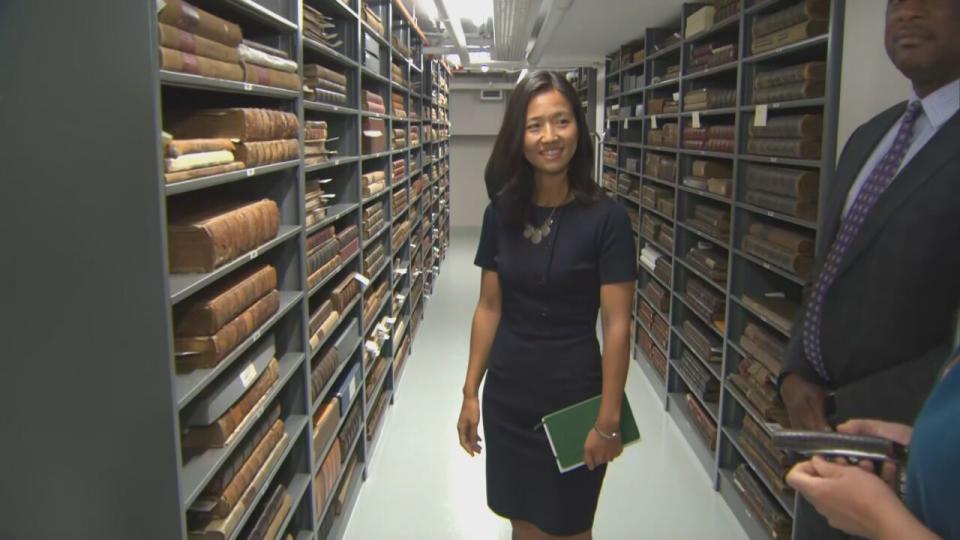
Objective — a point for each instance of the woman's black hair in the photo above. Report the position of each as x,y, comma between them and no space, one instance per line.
509,176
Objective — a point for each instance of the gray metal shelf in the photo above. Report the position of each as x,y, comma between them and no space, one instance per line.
677,409
219,179
197,82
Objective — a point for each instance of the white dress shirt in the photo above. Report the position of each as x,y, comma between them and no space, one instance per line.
938,107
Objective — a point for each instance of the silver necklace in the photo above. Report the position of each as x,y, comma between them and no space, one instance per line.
537,234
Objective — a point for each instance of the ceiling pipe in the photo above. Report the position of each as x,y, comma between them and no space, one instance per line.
455,29
556,11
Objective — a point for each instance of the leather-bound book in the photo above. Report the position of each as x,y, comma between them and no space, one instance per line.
774,520
785,205
320,237
347,235
764,400
646,313
790,92
374,135
204,240
658,296
799,263
701,382
318,275
704,424
180,40
219,433
789,148
663,270
326,327
763,463
711,169
268,510
206,313
802,126
184,62
185,147
661,331
344,293
726,132
658,361
325,423
790,75
218,484
270,77
201,528
172,178
787,36
772,362
322,72
803,11
219,502
244,124
764,442
781,312
205,352
273,528
255,154
324,368
789,240
319,315
800,184
706,299
349,249
774,344
723,146
694,134
184,16
704,343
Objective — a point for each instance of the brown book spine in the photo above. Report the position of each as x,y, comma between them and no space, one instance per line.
226,474
805,10
270,77
808,72
255,154
178,148
790,92
183,62
217,434
207,240
785,205
798,263
316,70
209,312
789,240
320,237
181,40
205,352
172,178
777,346
796,183
787,36
805,126
773,363
184,16
711,169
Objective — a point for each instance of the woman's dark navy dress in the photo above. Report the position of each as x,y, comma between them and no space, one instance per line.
546,355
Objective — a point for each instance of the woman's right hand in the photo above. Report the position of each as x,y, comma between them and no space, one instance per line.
467,425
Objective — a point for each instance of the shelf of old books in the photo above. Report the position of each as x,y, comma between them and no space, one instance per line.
292,134
720,141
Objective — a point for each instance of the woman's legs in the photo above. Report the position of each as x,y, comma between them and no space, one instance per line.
524,530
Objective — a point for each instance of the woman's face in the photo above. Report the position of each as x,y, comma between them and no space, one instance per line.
550,133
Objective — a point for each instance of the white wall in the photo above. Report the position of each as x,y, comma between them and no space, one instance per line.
474,125
869,82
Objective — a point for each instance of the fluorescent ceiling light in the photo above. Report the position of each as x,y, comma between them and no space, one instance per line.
479,57
523,73
478,11
453,60
484,68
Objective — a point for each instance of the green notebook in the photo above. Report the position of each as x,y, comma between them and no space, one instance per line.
567,430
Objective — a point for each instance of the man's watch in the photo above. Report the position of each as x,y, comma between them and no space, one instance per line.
830,405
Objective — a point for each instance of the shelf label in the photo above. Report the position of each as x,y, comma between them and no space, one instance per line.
248,87
774,160
775,294
254,254
248,375
696,120
760,116
336,108
653,122
776,105
626,123
251,172
256,335
676,96
770,214
390,321
372,347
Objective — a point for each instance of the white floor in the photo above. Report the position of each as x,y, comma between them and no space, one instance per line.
421,485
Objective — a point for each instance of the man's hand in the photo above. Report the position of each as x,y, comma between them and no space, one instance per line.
806,403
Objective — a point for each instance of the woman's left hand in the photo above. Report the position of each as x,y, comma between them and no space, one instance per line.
598,450
852,499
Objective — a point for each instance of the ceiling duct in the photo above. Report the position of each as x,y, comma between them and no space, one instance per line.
512,24
455,29
548,20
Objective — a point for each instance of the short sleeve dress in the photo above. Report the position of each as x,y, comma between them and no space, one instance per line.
546,355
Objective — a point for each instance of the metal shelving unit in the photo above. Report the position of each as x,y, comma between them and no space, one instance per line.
630,85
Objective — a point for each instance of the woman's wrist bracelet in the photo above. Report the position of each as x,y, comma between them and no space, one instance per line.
607,436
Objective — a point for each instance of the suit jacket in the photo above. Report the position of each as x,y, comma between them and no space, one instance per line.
888,318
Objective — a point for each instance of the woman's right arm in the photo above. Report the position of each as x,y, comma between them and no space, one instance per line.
486,319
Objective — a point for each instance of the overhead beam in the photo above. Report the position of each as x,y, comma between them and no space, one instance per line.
455,29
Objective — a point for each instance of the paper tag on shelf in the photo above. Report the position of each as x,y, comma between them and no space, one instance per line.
390,321
626,123
364,281
608,124
253,254
353,385
251,172
775,294
676,96
401,297
382,328
760,116
160,5
372,347
653,122
696,120
401,271
247,86
248,375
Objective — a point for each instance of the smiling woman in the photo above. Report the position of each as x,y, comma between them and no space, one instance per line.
553,253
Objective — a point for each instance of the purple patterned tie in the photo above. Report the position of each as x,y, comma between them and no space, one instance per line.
876,183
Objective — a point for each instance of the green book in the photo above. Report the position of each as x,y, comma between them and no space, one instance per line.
567,430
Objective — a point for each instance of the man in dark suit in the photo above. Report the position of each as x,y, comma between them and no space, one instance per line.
877,325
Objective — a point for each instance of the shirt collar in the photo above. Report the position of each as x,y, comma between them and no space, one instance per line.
941,105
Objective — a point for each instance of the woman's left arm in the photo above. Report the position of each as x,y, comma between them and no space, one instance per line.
616,302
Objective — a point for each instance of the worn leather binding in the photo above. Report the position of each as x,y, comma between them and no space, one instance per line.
351,427
320,237
804,126
787,36
704,343
184,62
645,311
322,72
325,423
658,361
270,77
702,422
800,184
805,10
268,510
711,169
660,331
373,259
217,434
700,381
790,92
347,235
374,135
327,476
244,124
187,42
224,478
349,249
791,75
763,462
318,275
206,351
326,327
208,312
657,296
708,262
345,292
319,315
184,16
663,270
777,523
797,263
765,344
255,154
780,312
325,365
705,301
